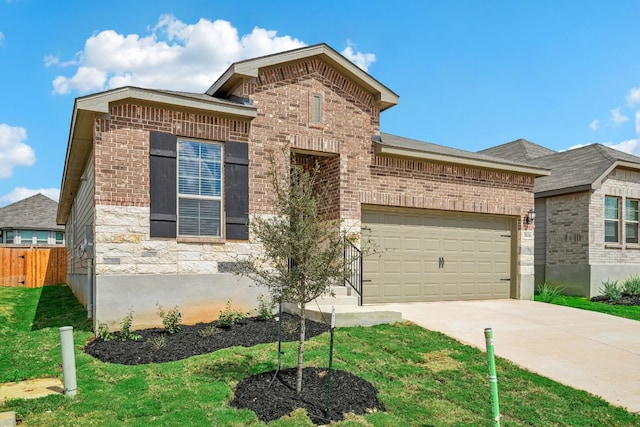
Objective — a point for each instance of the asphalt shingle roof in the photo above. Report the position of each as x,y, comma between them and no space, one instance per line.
413,144
579,166
519,150
572,169
33,213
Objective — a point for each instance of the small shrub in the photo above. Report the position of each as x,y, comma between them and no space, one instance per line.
611,290
102,332
125,328
208,331
230,316
265,308
171,320
549,293
631,286
156,343
290,326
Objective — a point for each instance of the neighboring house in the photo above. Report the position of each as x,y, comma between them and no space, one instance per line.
587,214
31,222
159,189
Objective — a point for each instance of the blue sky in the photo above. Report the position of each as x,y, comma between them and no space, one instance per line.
470,74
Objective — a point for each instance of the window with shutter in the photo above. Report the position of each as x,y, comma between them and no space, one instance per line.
199,188
193,182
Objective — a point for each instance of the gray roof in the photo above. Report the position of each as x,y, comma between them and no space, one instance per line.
33,213
457,156
519,150
579,169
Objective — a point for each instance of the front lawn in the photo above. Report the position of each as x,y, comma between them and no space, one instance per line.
423,377
630,312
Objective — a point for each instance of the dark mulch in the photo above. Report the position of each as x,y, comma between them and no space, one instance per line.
350,394
189,341
625,300
270,401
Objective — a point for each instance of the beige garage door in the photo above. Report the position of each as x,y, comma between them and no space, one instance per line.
427,255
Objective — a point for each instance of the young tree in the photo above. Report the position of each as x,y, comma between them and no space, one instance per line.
303,250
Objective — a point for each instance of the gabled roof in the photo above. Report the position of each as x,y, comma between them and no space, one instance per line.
250,68
519,150
88,108
33,213
581,169
397,146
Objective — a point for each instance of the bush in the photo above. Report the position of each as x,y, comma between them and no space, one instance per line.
631,286
125,328
158,342
102,332
611,290
549,293
208,331
230,316
265,308
171,320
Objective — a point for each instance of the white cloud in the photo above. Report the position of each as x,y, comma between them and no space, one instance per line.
617,118
633,97
594,125
13,151
20,193
631,146
173,55
1,38
637,122
362,60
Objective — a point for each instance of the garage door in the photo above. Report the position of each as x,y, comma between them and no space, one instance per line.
426,255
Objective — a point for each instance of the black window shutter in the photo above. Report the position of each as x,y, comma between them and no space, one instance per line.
162,184
236,190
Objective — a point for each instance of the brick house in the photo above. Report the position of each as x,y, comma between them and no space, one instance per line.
159,188
31,222
587,214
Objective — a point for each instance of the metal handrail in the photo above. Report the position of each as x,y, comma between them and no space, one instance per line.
353,276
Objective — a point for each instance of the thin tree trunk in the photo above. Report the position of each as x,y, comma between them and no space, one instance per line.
303,315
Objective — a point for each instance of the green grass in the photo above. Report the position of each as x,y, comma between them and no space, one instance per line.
424,378
629,312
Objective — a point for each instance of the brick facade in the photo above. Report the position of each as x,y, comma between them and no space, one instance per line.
129,261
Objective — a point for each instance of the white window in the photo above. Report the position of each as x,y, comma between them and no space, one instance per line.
59,237
26,237
9,236
199,188
42,237
611,219
631,221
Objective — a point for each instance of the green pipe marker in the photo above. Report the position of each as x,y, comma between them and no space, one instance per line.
493,378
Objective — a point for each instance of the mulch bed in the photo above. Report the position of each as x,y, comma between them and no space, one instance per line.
625,300
350,394
272,400
189,340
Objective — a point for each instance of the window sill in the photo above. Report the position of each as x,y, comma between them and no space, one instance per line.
632,246
193,239
612,246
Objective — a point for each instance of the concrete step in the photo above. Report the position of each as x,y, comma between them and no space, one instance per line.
347,315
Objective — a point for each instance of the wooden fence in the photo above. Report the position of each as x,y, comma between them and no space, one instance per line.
32,267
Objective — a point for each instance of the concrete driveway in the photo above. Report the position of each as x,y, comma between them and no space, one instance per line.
585,350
